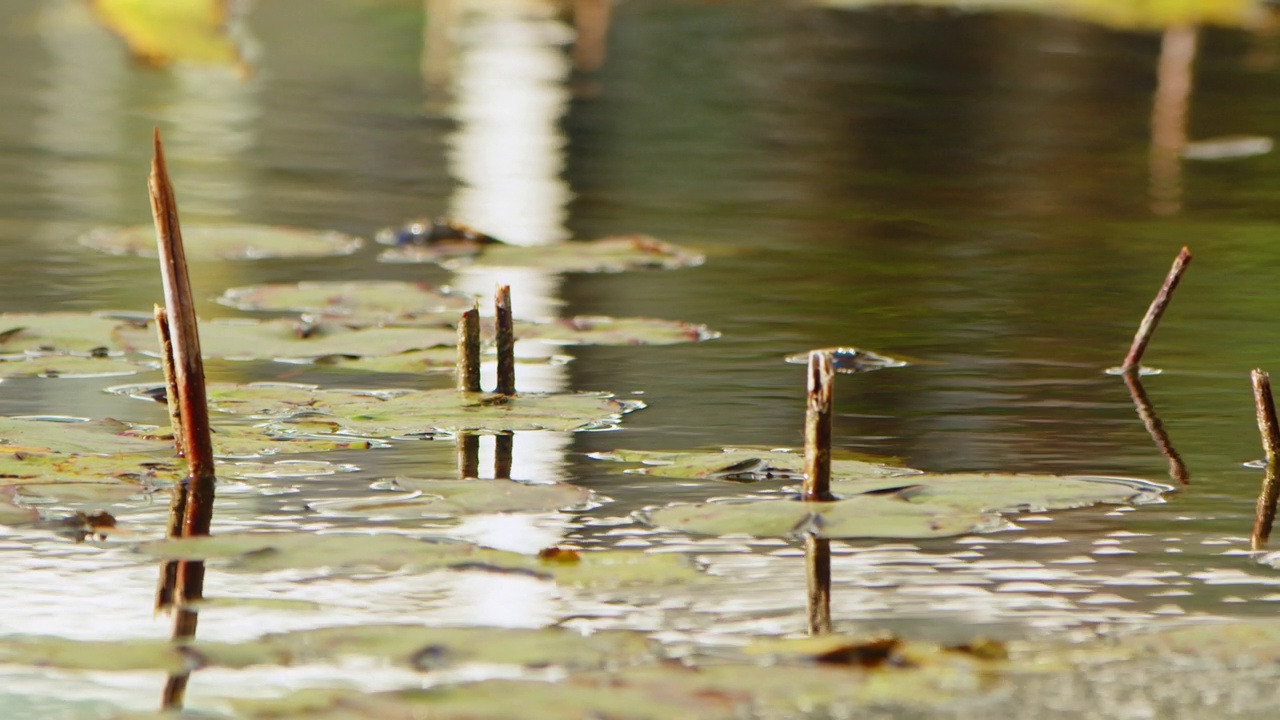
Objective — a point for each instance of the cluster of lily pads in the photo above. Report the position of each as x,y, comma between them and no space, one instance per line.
391,327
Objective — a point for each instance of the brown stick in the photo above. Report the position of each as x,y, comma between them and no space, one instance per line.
188,374
817,428
469,351
170,378
817,556
1158,305
506,341
175,687
1265,407
1177,468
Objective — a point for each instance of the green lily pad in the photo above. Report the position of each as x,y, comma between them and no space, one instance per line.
243,441
593,330
265,552
416,362
371,299
611,254
68,492
863,516
241,339
416,412
450,498
134,469
1007,492
746,464
73,435
105,655
226,242
58,331
61,365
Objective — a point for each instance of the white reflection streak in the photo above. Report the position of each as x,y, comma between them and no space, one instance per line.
507,157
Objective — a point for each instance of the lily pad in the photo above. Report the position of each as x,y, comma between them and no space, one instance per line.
241,339
370,413
227,242
264,552
595,330
371,299
611,254
61,365
43,468
863,516
450,498
851,360
431,360
1007,492
242,441
58,331
73,435
746,464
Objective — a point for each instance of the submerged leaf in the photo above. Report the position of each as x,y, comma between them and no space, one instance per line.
863,516
227,242
611,254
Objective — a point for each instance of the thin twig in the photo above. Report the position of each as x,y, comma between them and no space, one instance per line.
506,341
1158,305
817,428
1265,407
1177,468
469,351
817,556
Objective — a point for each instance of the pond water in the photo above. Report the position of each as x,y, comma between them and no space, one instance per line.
991,195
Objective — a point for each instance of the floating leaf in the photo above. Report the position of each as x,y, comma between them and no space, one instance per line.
450,498
60,365
139,470
264,552
227,242
594,330
439,359
443,236
240,441
1007,492
744,464
416,412
371,300
851,360
60,331
73,435
105,655
611,254
863,516
242,339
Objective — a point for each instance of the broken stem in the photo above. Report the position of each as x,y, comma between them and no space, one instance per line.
817,428
817,555
1177,468
469,351
506,341
1265,406
170,381
1158,305
188,378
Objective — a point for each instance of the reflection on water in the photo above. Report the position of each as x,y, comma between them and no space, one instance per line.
973,191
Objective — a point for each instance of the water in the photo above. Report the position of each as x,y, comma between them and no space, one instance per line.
979,192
